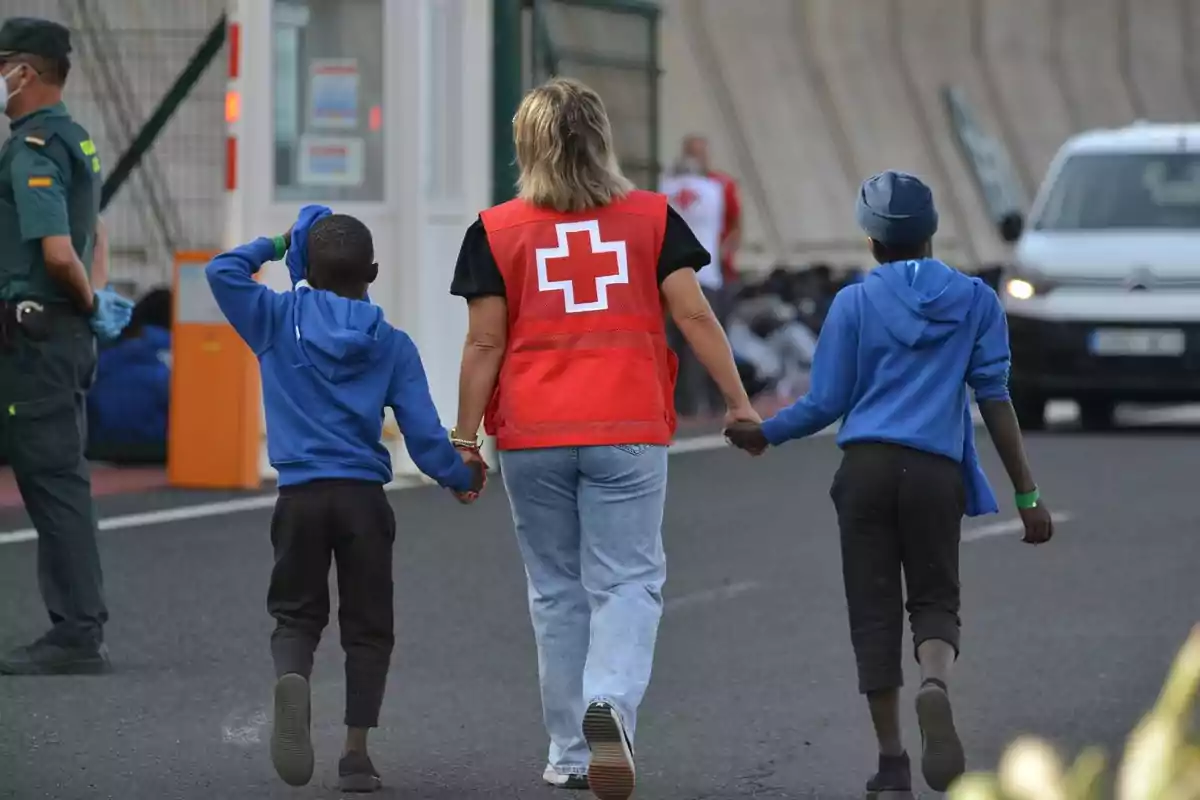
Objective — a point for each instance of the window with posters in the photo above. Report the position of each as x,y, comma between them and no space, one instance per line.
327,84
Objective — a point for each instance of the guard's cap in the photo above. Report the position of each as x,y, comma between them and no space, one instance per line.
34,37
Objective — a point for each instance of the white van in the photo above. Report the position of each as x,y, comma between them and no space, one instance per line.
1104,299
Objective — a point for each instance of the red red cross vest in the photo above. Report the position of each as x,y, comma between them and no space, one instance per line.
587,361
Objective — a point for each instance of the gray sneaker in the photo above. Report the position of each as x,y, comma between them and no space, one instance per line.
356,773
291,744
51,656
942,757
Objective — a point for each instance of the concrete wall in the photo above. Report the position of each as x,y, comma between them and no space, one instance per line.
804,98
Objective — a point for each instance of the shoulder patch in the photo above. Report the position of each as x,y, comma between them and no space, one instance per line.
35,140
40,182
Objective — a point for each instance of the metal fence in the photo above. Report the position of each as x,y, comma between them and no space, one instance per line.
126,55
611,45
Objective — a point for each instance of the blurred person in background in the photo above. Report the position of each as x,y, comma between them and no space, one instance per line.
708,201
51,315
567,360
129,404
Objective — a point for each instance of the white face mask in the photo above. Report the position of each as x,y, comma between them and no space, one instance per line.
5,94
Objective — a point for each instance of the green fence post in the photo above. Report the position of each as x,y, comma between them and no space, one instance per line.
507,89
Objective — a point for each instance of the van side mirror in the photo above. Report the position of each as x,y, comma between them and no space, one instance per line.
1012,226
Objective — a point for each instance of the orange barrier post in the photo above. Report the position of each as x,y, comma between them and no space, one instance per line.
216,424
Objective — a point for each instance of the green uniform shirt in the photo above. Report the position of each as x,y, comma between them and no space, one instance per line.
49,186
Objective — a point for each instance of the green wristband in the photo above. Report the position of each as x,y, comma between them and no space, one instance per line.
280,247
1027,500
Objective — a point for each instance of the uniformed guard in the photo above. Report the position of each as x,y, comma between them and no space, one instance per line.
50,317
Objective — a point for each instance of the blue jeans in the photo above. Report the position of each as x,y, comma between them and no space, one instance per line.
589,525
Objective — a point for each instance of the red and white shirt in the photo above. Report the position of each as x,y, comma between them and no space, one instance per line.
712,209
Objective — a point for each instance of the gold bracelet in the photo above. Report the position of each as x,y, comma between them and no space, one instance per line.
463,444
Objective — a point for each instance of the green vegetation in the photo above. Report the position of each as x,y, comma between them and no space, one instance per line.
1162,756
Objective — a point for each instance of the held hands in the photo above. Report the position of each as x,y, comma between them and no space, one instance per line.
743,430
472,458
110,314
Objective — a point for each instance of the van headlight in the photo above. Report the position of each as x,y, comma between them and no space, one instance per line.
1026,287
1020,289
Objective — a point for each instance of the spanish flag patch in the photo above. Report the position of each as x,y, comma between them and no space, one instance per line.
40,182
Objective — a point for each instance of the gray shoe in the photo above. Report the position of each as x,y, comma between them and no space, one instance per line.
893,779
942,757
356,773
51,656
291,744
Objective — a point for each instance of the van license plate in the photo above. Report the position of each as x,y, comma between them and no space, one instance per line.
1130,342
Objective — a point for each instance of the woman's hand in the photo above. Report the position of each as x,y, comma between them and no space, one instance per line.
474,460
742,412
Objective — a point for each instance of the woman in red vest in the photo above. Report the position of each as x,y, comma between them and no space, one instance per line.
566,361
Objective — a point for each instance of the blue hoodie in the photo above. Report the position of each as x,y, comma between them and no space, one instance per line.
894,360
329,367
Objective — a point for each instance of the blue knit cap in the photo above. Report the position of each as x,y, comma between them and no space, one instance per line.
895,208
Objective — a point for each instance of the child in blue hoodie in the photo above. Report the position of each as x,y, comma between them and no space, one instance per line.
895,358
330,364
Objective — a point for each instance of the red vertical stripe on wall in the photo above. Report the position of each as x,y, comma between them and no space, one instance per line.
234,42
230,163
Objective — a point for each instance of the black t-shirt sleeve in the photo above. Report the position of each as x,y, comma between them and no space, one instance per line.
476,273
680,249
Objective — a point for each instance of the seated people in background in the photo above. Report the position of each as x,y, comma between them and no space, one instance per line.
129,402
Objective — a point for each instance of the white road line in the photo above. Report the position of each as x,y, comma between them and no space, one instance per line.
181,513
707,596
1005,527
693,444
220,508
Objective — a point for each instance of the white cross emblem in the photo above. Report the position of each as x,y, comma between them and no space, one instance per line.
598,247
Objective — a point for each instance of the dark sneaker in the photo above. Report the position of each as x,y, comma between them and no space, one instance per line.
942,757
611,774
561,780
893,781
291,745
47,656
356,773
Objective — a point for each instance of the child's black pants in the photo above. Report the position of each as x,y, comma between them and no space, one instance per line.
899,510
351,522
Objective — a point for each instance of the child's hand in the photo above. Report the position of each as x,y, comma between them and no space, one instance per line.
478,467
747,436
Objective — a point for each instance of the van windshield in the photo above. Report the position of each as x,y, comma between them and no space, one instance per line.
1101,191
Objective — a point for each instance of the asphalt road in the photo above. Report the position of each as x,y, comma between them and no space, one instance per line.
754,692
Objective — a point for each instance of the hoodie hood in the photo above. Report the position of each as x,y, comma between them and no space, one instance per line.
919,302
340,337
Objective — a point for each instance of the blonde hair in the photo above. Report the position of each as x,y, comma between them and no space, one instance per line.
565,149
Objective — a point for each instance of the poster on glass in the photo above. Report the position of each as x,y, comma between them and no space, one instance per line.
333,94
331,160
